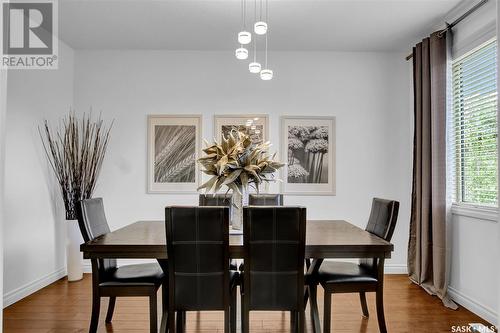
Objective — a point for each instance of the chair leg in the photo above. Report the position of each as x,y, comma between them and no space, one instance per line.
313,307
328,312
232,309
301,321
171,320
181,321
111,308
364,307
245,320
96,308
164,308
227,317
293,321
153,316
380,310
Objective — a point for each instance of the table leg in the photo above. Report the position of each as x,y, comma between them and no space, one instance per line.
313,302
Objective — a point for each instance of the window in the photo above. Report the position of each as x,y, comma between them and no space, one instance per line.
474,128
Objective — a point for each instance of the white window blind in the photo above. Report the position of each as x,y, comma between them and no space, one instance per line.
474,126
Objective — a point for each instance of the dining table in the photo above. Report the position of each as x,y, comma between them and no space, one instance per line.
325,239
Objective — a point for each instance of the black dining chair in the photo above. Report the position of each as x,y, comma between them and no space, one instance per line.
265,199
198,264
274,249
365,276
219,199
110,280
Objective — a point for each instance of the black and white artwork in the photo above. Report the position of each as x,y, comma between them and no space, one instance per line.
257,129
256,133
308,147
175,153
174,143
308,154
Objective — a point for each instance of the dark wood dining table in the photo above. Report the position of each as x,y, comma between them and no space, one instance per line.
325,239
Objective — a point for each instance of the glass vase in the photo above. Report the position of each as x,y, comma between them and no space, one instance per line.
239,201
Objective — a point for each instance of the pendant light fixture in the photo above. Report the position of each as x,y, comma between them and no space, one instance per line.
241,53
266,74
254,67
244,37
260,27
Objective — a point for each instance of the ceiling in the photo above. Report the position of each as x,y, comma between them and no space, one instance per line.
307,25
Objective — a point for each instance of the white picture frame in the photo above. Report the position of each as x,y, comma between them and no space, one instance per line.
174,145
308,144
259,120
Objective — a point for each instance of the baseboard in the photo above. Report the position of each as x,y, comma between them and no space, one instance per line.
395,269
474,306
29,288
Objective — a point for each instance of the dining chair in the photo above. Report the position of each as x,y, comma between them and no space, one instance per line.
110,280
274,249
263,200
266,199
365,276
198,264
219,199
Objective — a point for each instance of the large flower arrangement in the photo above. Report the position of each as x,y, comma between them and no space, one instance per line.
237,162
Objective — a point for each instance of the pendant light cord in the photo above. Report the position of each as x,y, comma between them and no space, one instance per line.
255,39
260,12
267,21
266,50
267,11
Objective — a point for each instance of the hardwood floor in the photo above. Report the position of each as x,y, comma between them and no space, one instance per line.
65,308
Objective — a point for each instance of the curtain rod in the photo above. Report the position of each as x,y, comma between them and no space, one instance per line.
449,26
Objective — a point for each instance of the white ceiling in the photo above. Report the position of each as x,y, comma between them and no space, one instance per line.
307,25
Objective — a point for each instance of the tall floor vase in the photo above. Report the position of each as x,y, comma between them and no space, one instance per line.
239,201
74,258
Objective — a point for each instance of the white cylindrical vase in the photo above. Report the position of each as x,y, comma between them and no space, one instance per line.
239,201
74,258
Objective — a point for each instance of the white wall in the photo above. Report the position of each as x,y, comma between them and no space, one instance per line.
3,104
367,92
34,232
474,277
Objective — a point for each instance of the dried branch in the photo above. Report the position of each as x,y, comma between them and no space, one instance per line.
75,152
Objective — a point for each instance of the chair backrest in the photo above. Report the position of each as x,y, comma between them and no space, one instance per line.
198,257
265,200
93,223
383,218
274,246
217,199
382,221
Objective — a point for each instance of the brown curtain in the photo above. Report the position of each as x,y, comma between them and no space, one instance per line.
427,254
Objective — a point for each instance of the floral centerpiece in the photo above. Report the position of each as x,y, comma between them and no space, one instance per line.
238,163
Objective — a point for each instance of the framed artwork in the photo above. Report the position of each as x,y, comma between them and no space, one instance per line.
173,150
258,129
308,151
